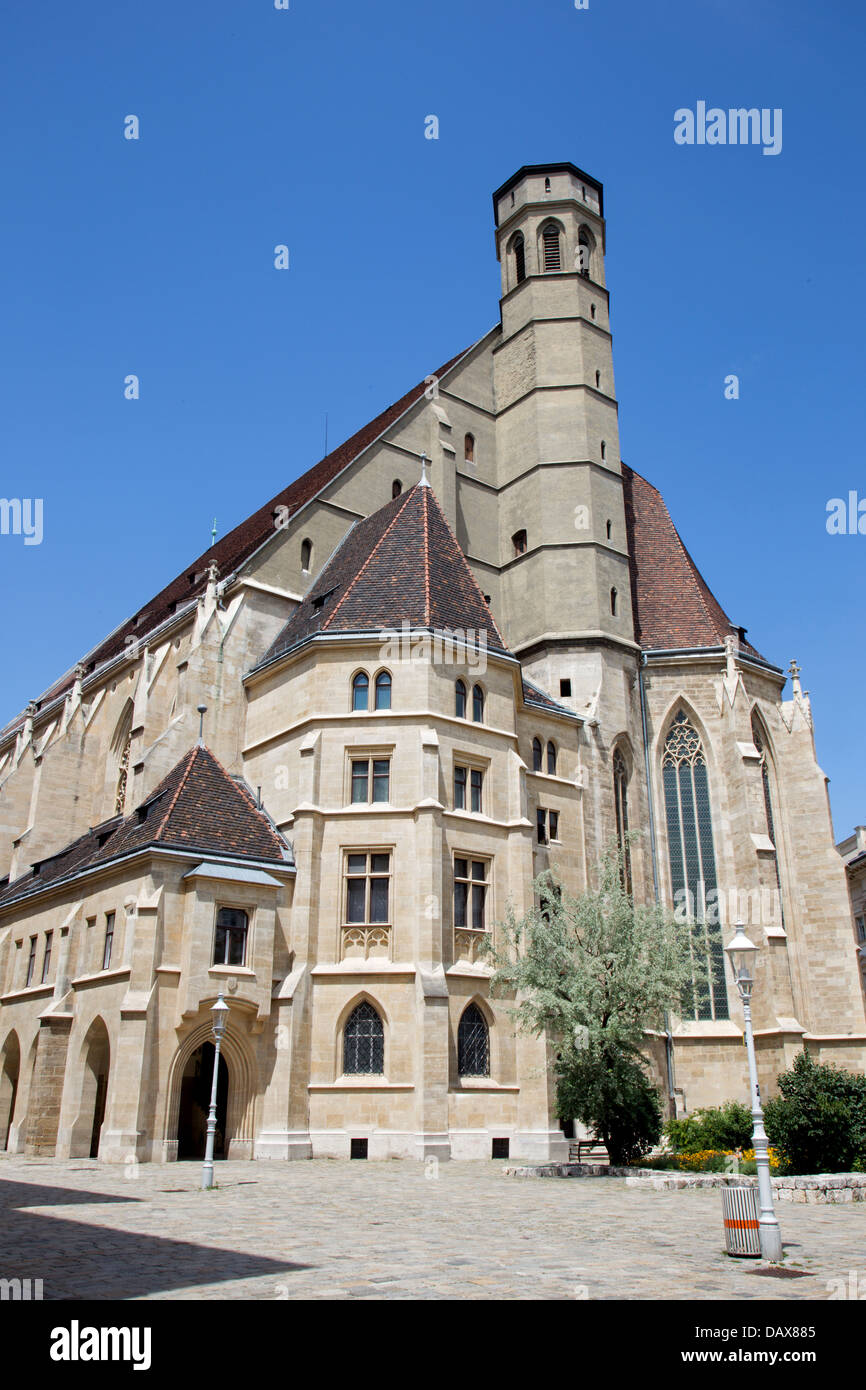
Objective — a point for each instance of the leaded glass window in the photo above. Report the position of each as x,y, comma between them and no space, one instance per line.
473,1043
692,858
768,807
363,1042
620,798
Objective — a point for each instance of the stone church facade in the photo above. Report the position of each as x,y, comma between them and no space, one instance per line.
468,645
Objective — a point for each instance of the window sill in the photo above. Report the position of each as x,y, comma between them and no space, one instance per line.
28,992
101,977
361,1083
228,970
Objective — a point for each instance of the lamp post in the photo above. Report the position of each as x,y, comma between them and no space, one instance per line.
220,1013
741,953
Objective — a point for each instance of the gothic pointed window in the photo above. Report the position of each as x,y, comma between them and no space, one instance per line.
478,704
360,691
519,258
550,240
551,759
693,860
121,747
383,690
363,1042
306,555
469,448
620,799
396,488
536,755
758,741
460,699
473,1043
122,776
583,253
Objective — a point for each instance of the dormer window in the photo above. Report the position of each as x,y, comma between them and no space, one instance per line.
550,247
321,599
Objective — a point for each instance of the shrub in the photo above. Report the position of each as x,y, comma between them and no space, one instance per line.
610,1091
726,1126
818,1122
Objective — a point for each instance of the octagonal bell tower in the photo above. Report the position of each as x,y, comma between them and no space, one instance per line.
565,583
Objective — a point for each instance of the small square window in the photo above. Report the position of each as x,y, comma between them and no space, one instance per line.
358,1148
499,1148
565,686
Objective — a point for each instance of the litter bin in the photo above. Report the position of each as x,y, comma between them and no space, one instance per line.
740,1219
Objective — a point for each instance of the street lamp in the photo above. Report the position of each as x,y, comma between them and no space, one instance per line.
741,952
220,1013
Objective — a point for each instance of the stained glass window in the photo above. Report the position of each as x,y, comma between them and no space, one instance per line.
620,798
692,858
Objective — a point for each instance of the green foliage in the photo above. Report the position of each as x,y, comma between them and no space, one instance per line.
727,1126
818,1123
611,1092
598,966
596,972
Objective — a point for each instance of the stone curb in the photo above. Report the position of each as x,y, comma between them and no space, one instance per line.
816,1187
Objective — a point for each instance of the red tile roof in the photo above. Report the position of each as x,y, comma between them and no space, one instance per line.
400,565
673,606
196,807
238,545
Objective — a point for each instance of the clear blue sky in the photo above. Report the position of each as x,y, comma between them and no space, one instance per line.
306,127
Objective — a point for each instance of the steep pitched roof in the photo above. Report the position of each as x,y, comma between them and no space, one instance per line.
197,807
401,564
239,544
672,603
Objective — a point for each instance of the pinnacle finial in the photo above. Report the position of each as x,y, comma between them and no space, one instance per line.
424,479
794,673
202,711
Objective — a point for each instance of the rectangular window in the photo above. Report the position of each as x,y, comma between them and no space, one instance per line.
541,823
470,893
368,883
460,789
475,801
553,822
565,686
370,773
31,963
109,940
230,940
46,958
861,928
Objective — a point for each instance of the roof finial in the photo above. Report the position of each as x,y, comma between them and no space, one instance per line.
794,672
424,462
202,711
213,533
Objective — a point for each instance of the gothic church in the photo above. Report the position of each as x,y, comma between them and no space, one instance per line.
467,645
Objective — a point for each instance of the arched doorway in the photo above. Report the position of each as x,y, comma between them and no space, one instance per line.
96,1062
195,1089
9,1074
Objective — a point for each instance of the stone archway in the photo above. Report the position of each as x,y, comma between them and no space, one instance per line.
195,1093
240,1104
95,1067
10,1072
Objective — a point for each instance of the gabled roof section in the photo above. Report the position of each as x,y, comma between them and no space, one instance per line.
196,807
239,544
400,565
674,608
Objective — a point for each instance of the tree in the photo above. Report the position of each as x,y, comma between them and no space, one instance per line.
819,1121
596,972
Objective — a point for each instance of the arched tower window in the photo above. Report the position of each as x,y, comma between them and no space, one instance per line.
550,247
383,690
477,704
536,755
363,1042
758,741
360,690
460,699
551,758
306,555
613,598
692,855
519,250
620,801
469,448
473,1043
584,253
396,488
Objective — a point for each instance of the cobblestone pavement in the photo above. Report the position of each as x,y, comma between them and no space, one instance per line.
393,1230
